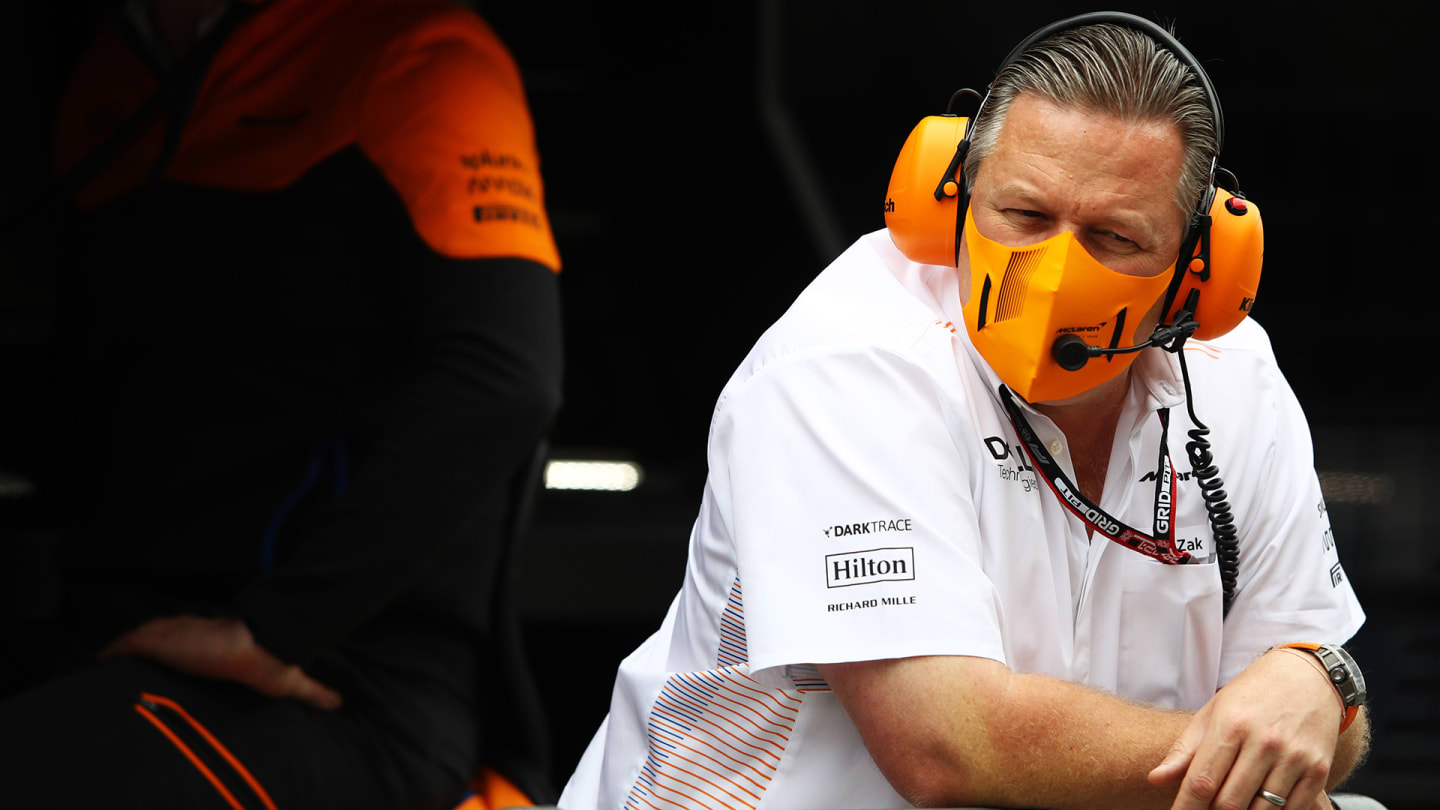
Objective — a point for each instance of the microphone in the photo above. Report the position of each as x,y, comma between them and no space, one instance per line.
1072,352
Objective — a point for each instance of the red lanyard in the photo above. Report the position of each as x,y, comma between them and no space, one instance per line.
1160,545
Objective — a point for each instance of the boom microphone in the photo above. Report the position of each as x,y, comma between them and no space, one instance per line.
1072,352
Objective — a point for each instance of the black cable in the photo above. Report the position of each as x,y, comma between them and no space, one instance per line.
964,91
1217,508
1234,186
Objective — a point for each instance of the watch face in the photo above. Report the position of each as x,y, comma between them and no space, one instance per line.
1359,680
1345,673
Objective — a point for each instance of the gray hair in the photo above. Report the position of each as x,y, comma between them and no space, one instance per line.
1112,70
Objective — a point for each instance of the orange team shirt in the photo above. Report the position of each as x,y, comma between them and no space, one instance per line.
423,87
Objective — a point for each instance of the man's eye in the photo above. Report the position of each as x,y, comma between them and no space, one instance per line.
1024,214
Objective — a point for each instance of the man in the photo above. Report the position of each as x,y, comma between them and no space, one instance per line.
976,637
309,343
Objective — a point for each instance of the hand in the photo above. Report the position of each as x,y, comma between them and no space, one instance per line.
1274,727
222,649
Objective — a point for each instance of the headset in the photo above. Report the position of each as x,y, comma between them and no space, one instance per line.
1217,271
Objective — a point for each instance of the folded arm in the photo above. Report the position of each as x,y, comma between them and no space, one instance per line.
956,731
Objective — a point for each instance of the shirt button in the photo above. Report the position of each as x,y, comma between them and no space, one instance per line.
1056,447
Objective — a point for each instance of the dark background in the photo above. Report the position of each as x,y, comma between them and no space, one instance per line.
704,161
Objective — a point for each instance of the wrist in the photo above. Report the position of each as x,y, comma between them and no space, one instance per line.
1314,664
1339,670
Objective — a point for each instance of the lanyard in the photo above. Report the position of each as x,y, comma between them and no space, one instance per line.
1159,545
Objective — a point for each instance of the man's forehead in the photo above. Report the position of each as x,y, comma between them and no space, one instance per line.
1051,153
1032,116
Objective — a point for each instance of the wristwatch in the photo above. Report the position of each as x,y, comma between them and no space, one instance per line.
1344,674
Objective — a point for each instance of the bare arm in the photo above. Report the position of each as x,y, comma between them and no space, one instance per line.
967,731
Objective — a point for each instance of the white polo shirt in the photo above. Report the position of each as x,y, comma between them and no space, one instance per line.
866,500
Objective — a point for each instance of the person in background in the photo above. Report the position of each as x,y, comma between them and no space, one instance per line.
308,344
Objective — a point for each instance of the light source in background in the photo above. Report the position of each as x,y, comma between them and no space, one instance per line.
623,476
1352,487
14,486
594,475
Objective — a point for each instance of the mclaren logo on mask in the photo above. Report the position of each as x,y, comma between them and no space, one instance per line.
1067,330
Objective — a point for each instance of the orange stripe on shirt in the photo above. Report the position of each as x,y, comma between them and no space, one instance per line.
658,797
779,713
769,694
710,783
727,779
706,722
190,755
666,800
679,739
665,772
745,759
782,693
748,708
727,714
217,745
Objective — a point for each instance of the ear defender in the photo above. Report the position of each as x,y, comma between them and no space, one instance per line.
925,203
1228,279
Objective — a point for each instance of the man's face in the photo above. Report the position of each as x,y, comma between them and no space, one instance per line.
1111,182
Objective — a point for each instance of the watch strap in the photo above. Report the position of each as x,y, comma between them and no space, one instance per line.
1348,712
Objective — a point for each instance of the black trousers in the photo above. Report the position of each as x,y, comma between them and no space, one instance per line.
133,734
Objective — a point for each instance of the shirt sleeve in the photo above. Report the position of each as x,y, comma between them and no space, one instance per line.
1291,585
850,508
446,120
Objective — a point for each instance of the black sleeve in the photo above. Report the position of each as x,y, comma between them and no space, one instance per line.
484,390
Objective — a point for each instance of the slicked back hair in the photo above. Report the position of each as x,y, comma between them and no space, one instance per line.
1112,70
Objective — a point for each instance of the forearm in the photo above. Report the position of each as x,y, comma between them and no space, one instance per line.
1099,748
957,732
1059,745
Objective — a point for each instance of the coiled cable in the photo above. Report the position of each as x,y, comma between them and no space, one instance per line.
1217,508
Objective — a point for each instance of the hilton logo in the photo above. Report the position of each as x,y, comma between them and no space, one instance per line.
873,565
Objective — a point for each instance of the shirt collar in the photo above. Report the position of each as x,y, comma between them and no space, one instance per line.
1155,375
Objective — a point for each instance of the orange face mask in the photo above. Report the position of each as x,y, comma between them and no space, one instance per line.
1024,299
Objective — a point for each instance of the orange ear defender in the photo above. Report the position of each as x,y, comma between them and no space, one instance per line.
1228,282
927,230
